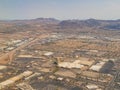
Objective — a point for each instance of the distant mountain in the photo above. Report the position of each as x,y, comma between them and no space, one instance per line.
51,24
79,23
46,20
29,21
13,26
43,21
91,23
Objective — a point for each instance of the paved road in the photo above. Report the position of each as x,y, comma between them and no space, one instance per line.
8,57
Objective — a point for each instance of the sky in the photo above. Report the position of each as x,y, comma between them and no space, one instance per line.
59,9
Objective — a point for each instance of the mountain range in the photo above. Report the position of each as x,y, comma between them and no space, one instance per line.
8,26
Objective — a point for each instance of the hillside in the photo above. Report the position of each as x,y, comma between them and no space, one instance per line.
109,27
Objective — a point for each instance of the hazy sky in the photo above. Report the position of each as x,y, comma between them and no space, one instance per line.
60,9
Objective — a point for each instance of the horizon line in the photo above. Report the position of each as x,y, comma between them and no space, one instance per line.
55,19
